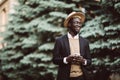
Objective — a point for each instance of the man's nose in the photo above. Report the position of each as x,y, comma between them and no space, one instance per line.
79,25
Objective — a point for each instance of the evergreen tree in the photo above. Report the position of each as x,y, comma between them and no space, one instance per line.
32,30
30,37
103,30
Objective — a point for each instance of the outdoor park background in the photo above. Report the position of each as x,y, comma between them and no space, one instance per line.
28,38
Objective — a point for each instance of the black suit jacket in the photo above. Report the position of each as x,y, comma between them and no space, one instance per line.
62,49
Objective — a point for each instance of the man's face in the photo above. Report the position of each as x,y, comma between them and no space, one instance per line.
75,25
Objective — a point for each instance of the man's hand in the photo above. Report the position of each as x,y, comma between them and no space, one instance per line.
69,59
75,59
78,60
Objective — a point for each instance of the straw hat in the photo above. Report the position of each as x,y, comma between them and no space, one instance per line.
72,14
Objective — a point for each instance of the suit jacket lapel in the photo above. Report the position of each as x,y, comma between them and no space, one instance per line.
66,44
81,45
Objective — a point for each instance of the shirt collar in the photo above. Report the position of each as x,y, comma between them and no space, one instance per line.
75,37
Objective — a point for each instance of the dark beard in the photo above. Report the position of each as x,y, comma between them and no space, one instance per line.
74,31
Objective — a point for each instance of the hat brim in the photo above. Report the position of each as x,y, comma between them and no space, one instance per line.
80,14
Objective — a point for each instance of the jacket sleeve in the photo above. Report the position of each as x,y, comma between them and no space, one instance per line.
57,58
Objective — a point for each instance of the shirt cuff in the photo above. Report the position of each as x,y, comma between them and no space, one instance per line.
85,62
64,60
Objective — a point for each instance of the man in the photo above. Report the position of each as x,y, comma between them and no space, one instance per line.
71,51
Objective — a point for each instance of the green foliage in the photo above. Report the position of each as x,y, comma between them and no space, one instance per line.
117,7
103,33
30,37
46,46
32,30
